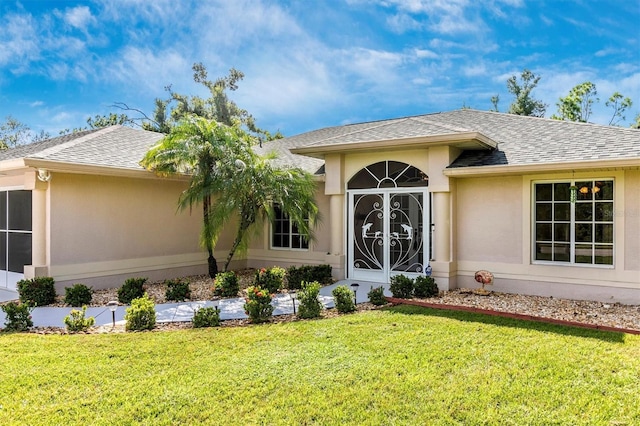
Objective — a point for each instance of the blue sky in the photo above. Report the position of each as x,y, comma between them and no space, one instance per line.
311,64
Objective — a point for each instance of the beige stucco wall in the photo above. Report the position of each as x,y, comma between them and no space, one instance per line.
489,219
102,229
631,214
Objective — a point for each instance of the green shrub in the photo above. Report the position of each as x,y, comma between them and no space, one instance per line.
77,295
425,287
343,298
270,279
376,296
133,288
299,274
258,305
76,321
177,290
309,304
226,285
141,315
38,291
18,316
401,286
206,317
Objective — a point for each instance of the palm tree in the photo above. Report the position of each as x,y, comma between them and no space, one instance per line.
250,196
200,149
232,182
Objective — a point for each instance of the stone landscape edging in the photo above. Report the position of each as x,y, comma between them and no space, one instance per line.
460,308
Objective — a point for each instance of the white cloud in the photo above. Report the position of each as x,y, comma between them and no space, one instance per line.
79,17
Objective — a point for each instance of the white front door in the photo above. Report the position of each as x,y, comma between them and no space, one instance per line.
386,233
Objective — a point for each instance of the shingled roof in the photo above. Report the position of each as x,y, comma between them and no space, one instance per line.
520,140
114,147
506,140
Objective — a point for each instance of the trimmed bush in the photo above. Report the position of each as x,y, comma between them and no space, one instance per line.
270,279
141,315
78,295
226,285
401,286
258,305
425,287
133,288
177,290
296,275
76,321
376,296
18,316
206,317
343,298
309,304
38,291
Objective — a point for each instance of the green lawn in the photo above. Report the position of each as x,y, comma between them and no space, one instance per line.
404,365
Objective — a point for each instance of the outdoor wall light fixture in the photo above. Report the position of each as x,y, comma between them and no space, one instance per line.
354,287
113,306
292,294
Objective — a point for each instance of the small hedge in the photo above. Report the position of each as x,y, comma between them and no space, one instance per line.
76,320
271,279
343,298
226,285
401,286
177,290
404,287
38,291
18,316
78,295
425,287
296,275
376,296
258,306
133,288
309,303
206,317
141,315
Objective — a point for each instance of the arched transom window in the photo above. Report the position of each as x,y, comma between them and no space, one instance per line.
388,174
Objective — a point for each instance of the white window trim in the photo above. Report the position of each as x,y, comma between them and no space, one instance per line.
276,248
572,242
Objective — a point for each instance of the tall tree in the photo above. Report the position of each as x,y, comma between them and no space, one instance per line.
14,132
619,104
494,101
577,105
201,149
524,104
230,181
251,195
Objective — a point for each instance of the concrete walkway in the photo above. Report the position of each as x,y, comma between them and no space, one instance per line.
180,312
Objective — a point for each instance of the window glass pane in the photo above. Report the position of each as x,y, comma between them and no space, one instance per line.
544,251
284,241
584,232
562,211
3,251
543,192
3,209
584,212
543,211
561,252
296,241
19,251
20,210
604,255
562,232
561,192
604,212
604,233
543,232
584,191
305,243
584,253
606,190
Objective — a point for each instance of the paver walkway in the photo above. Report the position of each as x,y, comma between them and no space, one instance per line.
176,312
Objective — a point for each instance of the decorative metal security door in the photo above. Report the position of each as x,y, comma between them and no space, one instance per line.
386,236
388,210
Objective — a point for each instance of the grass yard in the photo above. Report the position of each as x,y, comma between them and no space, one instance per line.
403,365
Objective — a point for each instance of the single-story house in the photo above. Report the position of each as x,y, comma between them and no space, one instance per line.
549,207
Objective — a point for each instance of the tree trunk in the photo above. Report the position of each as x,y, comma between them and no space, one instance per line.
241,230
213,263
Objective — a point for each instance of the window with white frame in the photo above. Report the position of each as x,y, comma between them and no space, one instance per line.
573,222
15,235
285,234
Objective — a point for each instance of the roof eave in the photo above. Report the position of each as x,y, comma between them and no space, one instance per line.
464,141
93,169
533,168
